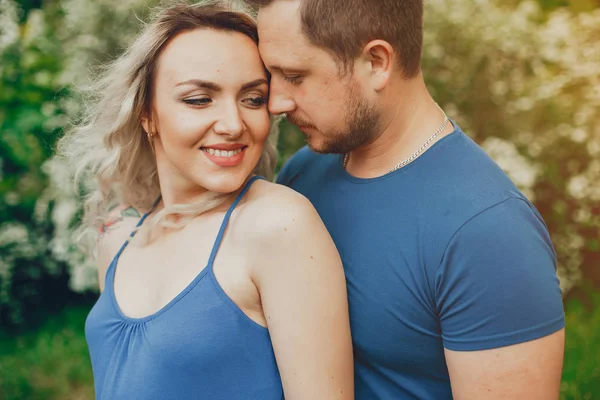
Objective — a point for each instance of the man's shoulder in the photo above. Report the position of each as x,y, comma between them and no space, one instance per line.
467,176
460,185
304,154
302,162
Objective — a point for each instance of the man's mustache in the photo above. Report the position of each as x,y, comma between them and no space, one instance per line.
299,122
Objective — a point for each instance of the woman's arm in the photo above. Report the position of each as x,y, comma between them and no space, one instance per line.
302,286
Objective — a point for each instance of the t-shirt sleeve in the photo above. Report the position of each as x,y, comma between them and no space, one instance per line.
497,283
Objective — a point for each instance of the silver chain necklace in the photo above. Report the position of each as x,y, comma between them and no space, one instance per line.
418,152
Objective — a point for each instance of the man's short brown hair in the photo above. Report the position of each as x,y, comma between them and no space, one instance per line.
344,27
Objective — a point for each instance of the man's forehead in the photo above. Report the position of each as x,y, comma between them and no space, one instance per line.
281,13
282,43
276,25
287,54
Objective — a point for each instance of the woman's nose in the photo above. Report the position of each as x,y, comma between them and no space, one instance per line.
230,122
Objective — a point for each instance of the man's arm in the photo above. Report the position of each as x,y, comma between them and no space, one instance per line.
500,307
525,371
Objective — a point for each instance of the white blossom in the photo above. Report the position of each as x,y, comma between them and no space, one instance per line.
13,233
9,23
517,167
520,82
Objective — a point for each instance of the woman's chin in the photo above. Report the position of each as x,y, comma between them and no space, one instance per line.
225,183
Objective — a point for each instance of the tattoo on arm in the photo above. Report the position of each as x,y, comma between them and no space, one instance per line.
125,212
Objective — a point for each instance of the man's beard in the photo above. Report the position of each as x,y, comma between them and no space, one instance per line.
362,127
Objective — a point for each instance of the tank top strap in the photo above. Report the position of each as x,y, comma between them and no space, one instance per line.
137,227
219,238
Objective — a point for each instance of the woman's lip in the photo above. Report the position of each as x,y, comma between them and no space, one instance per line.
226,161
225,146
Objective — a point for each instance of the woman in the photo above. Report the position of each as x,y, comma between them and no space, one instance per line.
233,289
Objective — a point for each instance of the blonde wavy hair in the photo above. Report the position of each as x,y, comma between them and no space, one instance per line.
109,150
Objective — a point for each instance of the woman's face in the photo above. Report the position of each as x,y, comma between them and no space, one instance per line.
209,112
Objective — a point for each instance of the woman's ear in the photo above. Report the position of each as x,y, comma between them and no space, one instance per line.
146,124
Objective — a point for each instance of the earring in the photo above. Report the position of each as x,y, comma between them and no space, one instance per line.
151,141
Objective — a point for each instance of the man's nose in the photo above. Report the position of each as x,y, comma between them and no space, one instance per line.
280,102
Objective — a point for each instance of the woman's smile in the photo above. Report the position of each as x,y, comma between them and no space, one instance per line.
225,155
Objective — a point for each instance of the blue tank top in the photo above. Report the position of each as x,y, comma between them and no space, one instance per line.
199,346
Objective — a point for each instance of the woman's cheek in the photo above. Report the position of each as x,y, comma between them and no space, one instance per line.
189,130
262,128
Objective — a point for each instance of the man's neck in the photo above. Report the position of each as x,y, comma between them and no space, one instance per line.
406,125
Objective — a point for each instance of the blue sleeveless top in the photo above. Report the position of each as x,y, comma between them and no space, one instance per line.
199,346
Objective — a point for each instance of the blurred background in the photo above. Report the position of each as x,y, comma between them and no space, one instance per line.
521,77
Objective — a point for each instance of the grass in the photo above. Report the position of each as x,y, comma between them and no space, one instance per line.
52,363
581,370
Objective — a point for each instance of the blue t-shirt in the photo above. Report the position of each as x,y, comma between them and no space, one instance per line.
443,253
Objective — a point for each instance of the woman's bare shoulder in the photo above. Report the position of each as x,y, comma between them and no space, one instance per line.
282,228
273,200
272,209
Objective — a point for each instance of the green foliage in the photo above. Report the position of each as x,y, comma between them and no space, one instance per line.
581,371
43,54
552,5
29,109
30,116
519,82
51,363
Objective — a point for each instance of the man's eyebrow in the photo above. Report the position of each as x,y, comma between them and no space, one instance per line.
201,84
255,83
286,70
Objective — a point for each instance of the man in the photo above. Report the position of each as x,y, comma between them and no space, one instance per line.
450,270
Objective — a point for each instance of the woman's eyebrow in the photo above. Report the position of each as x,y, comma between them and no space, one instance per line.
255,83
201,84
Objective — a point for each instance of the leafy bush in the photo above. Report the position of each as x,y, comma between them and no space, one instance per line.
581,370
524,85
31,115
520,81
43,54
50,363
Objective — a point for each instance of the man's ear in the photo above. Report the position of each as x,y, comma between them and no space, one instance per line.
378,57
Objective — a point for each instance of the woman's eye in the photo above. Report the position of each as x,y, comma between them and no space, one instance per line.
256,102
197,101
296,79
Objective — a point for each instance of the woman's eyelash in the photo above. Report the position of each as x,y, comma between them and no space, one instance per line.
197,101
254,101
257,101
